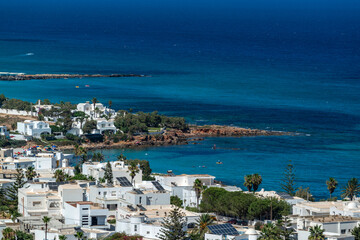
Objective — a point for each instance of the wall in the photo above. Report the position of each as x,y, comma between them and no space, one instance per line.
17,112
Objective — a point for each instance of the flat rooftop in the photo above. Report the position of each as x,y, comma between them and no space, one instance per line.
331,218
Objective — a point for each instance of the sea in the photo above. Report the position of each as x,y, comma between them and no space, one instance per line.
275,65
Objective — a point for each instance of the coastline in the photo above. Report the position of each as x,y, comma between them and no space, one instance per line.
176,137
23,77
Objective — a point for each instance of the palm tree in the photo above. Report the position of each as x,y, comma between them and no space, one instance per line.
199,188
133,169
269,232
8,234
81,119
30,173
62,237
121,157
316,233
202,224
46,220
79,235
351,189
94,101
59,175
80,151
248,182
331,185
256,180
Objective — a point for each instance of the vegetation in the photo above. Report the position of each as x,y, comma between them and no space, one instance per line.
175,200
202,224
7,143
144,166
16,104
242,205
89,126
8,234
133,169
356,232
331,185
352,189
316,233
123,236
279,231
12,191
172,226
30,173
252,182
199,187
140,122
304,193
98,157
288,182
108,174
46,220
59,175
79,235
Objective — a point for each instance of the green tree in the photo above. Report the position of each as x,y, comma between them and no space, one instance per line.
30,173
210,199
256,180
89,126
172,226
8,234
270,232
62,237
199,187
288,181
356,232
46,220
331,185
133,169
79,235
202,224
248,182
80,151
352,189
304,193
175,200
20,235
59,175
316,233
108,174
12,191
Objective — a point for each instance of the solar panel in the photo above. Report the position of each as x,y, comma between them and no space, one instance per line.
124,182
138,191
223,229
284,195
158,186
131,208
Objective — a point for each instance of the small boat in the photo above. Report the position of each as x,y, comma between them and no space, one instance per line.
77,86
218,162
214,147
87,85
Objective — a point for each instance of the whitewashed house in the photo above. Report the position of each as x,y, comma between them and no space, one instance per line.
97,170
351,209
105,125
95,111
4,132
147,222
336,227
86,214
33,128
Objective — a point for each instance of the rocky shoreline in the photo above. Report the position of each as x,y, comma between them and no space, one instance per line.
22,77
177,137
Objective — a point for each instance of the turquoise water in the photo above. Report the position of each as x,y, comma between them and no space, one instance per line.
283,67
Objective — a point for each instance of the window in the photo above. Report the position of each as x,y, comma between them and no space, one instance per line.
140,200
36,204
85,209
113,193
135,228
343,231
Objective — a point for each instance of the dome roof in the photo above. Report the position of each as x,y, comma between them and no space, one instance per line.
251,231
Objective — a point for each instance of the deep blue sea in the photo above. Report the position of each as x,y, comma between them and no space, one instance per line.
282,65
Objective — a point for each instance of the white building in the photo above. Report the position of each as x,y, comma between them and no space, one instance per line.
95,111
33,128
147,222
314,208
351,209
86,214
38,201
336,227
105,125
5,153
4,132
182,186
97,170
227,231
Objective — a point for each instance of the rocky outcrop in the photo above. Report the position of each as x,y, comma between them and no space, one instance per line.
22,77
